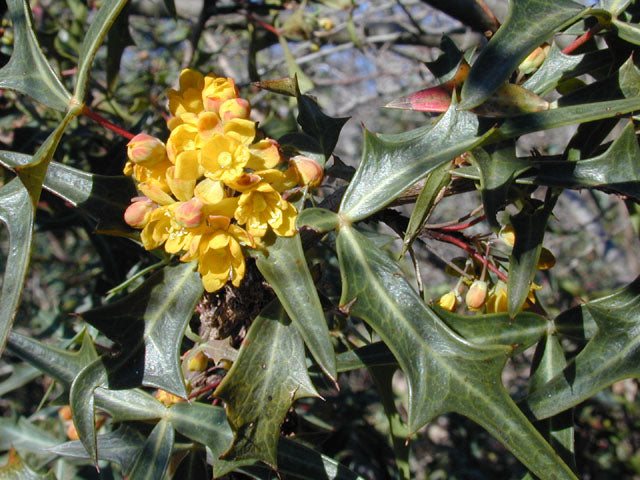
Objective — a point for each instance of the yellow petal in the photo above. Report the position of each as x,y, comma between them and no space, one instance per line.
244,131
209,191
265,154
187,165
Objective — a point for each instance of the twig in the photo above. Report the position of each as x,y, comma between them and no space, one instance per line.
106,123
582,39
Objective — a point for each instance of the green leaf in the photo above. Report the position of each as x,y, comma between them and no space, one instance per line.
315,123
519,333
294,70
269,374
629,32
104,198
100,25
16,469
616,7
154,456
148,325
207,425
24,436
445,372
318,219
612,354
529,226
528,24
120,446
17,213
118,39
374,354
392,163
436,181
21,374
28,71
498,170
284,266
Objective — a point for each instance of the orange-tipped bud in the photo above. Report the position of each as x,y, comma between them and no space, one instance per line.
65,413
136,213
146,150
167,398
309,171
448,301
234,108
190,214
477,295
72,433
198,363
534,59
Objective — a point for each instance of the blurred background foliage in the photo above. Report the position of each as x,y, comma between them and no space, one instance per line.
354,56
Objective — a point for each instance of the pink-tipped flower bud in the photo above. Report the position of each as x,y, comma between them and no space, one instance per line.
135,215
234,108
146,150
448,301
309,171
477,295
189,214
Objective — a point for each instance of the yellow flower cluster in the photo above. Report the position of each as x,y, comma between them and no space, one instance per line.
215,186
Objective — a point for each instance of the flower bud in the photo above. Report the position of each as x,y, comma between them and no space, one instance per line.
234,108
508,235
65,412
136,213
198,363
326,23
309,171
71,432
546,260
189,214
448,301
477,295
146,150
534,59
167,398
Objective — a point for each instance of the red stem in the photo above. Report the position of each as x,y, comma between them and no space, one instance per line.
462,226
444,237
106,123
268,27
203,390
582,39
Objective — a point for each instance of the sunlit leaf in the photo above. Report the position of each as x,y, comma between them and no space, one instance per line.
305,83
528,24
154,456
28,71
612,354
318,219
445,372
17,213
285,268
627,31
392,163
268,376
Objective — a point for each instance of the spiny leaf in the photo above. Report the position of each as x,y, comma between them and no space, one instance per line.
148,324
374,354
92,41
16,469
103,198
317,124
21,374
28,71
17,213
207,425
612,354
294,70
268,376
154,456
528,24
284,266
24,435
445,372
392,163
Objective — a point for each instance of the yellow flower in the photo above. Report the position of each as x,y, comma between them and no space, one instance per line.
157,228
262,206
224,158
189,98
508,235
216,91
234,108
167,398
146,150
448,301
497,301
309,171
135,215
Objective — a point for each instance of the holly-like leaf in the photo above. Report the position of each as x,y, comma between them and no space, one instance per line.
120,446
612,354
498,170
17,213
320,126
118,39
207,425
529,226
103,198
16,469
148,324
21,374
269,374
392,163
28,71
528,24
318,219
445,372
284,266
153,458
100,25
24,436
374,354
616,170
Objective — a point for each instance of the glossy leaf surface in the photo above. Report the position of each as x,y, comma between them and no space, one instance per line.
268,376
445,372
153,459
318,219
528,24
